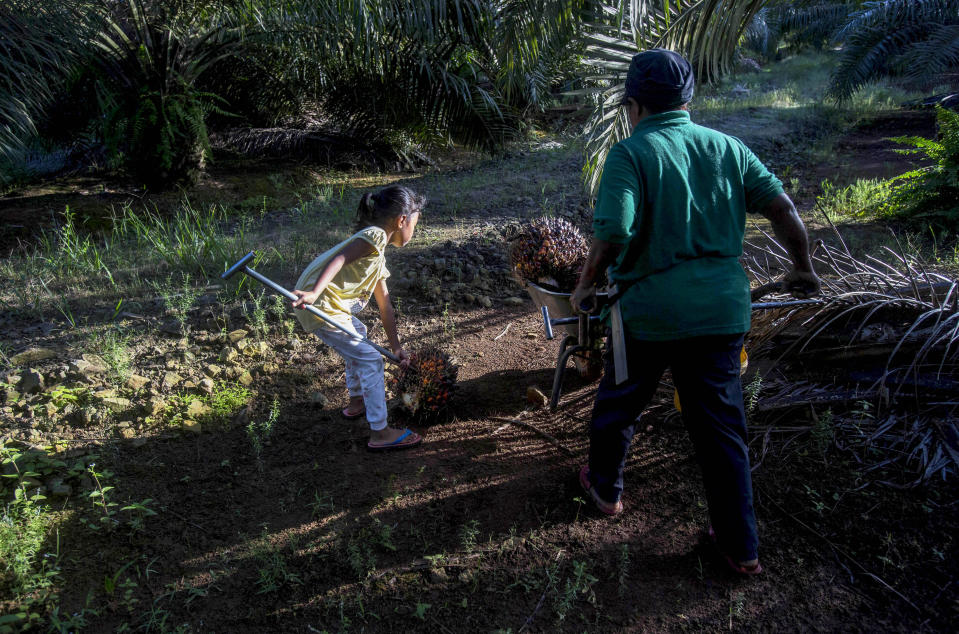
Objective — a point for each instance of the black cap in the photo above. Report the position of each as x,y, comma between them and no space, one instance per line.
659,78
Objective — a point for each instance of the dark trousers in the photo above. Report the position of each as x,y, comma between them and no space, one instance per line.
706,374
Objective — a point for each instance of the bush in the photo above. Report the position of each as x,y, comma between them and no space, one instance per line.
931,193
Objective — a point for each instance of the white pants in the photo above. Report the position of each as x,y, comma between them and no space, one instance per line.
364,370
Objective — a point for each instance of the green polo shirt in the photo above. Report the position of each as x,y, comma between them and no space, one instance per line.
676,194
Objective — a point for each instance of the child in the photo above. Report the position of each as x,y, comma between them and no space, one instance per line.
341,282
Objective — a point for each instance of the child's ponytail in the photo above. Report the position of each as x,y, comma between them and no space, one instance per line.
390,202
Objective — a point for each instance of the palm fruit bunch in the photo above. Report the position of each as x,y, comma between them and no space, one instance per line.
549,250
427,385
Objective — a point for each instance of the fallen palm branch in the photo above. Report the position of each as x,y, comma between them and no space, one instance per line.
876,359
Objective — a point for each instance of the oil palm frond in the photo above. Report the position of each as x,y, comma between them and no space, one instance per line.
884,339
918,38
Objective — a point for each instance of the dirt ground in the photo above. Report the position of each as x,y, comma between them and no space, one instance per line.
484,527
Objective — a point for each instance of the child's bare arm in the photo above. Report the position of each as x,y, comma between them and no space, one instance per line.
353,251
388,317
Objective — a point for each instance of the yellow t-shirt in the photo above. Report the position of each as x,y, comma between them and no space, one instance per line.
350,289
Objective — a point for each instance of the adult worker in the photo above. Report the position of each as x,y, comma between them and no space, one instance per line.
669,222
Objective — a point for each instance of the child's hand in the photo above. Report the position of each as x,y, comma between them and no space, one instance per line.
304,298
403,357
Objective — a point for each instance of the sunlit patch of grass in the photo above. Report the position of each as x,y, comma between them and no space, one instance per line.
865,198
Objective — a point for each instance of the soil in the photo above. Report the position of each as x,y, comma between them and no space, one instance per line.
483,528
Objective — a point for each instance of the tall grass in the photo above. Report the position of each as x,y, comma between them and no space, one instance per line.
69,267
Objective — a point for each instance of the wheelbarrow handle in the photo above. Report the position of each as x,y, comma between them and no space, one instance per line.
240,266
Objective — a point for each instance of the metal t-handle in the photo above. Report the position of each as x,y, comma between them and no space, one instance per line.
241,266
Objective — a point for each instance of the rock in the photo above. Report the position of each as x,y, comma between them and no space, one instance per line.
262,348
469,298
245,379
228,355
268,368
188,385
192,426
212,371
116,404
438,575
319,399
172,327
32,355
514,301
171,380
31,382
48,410
485,301
128,433
198,409
236,335
531,335
154,406
207,385
136,382
58,488
294,344
536,397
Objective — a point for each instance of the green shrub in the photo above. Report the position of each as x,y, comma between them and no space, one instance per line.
932,193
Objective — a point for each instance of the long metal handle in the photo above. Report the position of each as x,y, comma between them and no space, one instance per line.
262,279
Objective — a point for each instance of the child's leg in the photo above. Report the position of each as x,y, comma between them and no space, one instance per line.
366,365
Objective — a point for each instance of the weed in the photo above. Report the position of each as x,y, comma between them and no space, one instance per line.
23,528
449,326
622,569
321,502
420,611
112,346
272,569
580,584
259,432
178,299
579,507
101,500
823,431
752,391
360,547
737,600
468,534
257,314
140,511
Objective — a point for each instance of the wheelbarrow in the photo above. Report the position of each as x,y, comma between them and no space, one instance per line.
582,332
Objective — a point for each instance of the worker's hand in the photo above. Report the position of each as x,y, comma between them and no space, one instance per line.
403,357
304,298
583,297
801,284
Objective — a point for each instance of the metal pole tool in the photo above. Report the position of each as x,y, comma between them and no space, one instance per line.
241,266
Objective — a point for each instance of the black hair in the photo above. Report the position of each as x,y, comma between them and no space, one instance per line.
390,202
658,108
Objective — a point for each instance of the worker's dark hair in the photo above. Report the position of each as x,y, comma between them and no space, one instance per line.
658,108
390,202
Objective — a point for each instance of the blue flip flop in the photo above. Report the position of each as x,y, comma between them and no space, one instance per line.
399,443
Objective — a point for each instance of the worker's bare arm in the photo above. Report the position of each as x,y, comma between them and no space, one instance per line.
802,280
601,255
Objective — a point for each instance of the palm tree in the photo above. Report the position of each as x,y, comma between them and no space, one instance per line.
915,38
33,61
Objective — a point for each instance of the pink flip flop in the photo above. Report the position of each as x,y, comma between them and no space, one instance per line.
739,569
603,506
348,416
